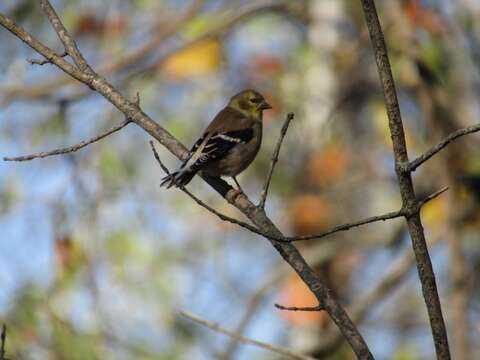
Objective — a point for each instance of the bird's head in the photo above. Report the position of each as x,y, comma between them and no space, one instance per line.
249,102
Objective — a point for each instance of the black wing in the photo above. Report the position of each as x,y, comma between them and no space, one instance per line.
217,146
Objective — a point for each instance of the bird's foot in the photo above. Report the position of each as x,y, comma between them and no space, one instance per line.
234,193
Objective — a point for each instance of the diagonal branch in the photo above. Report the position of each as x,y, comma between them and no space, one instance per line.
432,196
257,215
414,164
415,227
217,328
276,152
69,149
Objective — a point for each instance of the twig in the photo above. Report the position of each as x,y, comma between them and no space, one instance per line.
415,227
67,40
294,308
414,164
46,61
243,339
3,338
204,205
69,149
258,217
432,196
276,152
344,227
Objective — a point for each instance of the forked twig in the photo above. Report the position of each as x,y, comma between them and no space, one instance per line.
405,183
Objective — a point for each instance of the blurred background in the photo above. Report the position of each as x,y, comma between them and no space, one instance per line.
96,260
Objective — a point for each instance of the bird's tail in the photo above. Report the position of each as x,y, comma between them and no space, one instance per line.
178,178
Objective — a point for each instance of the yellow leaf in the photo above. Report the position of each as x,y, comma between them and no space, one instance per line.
196,60
434,213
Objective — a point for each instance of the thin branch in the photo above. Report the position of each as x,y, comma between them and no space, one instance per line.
46,61
217,328
409,202
414,164
294,308
345,227
276,152
432,196
204,205
69,149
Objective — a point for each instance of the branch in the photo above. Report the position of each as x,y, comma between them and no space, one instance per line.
294,308
69,149
204,205
3,338
424,264
217,328
67,40
263,196
257,215
414,164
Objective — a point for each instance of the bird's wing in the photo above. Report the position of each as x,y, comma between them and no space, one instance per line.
229,128
215,146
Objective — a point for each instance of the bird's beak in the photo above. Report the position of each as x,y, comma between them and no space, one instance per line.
264,105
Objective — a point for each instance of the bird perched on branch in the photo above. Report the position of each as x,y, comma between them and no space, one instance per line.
229,144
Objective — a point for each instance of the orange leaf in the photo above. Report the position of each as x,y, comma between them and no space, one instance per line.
328,164
309,213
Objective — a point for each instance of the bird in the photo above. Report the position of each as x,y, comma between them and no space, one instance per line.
228,145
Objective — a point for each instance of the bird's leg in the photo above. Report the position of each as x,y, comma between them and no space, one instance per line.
238,185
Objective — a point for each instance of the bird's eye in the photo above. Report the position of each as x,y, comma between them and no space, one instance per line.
255,100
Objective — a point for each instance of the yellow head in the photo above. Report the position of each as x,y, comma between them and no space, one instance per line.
249,102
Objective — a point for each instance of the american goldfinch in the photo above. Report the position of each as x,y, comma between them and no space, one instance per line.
229,144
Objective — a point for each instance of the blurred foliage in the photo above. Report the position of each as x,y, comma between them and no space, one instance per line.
97,260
